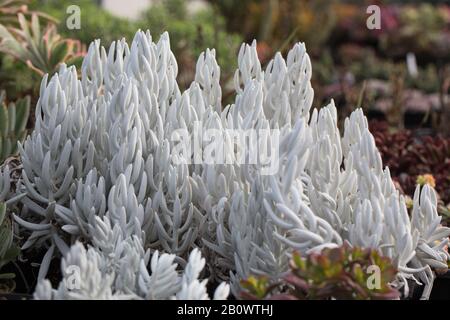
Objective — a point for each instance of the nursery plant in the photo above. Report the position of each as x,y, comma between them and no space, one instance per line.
190,32
42,50
106,187
15,78
337,273
419,28
411,156
9,9
13,121
9,250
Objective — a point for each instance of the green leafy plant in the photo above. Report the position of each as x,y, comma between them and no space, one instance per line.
13,121
190,32
338,273
421,29
43,50
16,78
8,250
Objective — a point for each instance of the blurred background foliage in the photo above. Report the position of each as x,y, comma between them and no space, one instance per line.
190,33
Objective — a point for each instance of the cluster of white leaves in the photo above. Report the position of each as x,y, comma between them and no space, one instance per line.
117,268
101,165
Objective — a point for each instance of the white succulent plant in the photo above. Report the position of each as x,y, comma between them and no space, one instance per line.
102,165
116,268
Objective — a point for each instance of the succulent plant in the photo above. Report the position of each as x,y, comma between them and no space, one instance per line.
338,273
411,158
118,270
8,250
103,166
41,50
10,8
13,121
8,247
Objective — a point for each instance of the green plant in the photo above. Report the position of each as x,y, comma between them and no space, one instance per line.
273,21
13,121
9,9
338,273
15,77
427,79
8,250
190,33
41,50
422,29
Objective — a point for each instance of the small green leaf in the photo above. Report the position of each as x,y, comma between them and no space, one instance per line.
11,117
22,114
12,253
5,276
2,212
3,120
